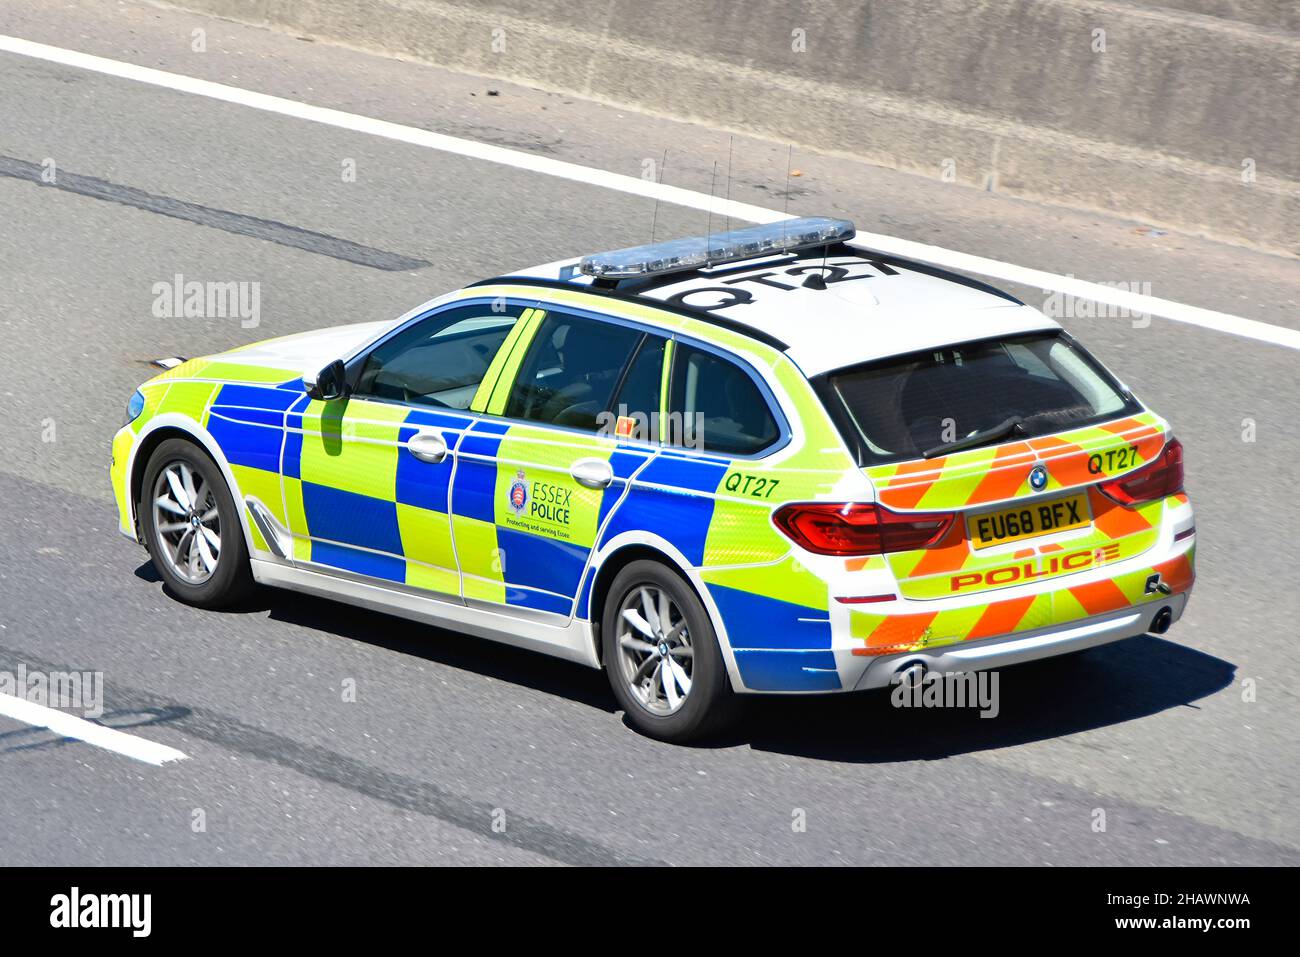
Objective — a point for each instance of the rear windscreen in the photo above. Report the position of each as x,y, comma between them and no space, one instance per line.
902,407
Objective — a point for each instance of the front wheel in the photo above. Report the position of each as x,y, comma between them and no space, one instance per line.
191,527
662,656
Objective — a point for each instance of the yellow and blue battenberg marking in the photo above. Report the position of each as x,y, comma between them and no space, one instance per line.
500,521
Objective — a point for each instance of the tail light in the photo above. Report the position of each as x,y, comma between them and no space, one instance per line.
1160,477
851,528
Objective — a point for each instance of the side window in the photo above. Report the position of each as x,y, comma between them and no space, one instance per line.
718,404
635,409
570,371
439,361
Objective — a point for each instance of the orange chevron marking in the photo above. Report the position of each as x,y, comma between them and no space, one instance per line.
947,555
1100,597
1177,573
900,631
874,652
905,489
1067,462
1114,520
1148,438
1000,618
1149,446
1004,477
1124,425
1131,429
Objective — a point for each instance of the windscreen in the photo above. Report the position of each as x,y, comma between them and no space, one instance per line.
905,406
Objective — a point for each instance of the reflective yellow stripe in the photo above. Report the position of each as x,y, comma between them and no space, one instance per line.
505,380
665,380
484,391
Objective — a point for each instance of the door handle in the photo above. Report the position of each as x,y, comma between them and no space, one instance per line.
593,473
428,447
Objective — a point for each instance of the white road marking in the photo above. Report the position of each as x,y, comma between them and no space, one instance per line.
947,258
70,726
1135,303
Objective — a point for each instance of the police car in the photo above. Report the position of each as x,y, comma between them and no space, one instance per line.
762,461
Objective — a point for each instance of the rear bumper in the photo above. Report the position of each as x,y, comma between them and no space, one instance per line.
1021,647
777,647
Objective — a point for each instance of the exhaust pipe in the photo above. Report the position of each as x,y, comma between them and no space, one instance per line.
1161,622
910,673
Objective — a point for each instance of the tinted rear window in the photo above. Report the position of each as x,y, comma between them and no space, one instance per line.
899,408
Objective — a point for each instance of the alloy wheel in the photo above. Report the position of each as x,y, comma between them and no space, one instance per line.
188,522
655,652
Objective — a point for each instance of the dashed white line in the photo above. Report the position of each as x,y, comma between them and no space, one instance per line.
948,258
70,726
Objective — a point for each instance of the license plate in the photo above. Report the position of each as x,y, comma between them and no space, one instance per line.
1028,520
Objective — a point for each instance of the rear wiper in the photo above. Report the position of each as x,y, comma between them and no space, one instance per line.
1011,426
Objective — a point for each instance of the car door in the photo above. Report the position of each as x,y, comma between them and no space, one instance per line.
367,478
540,473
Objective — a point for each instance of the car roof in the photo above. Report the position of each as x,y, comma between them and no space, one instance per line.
868,306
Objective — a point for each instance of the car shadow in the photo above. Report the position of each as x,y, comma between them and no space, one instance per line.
439,645
428,642
1051,698
1036,701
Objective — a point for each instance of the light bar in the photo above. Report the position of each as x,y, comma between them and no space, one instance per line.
695,252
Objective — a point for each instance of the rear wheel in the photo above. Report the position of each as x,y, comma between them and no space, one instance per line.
191,527
662,657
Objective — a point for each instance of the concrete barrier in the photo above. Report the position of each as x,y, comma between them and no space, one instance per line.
1185,114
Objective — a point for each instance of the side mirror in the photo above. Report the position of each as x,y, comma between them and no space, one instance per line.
331,382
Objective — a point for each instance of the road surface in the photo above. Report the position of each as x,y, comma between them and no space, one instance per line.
460,751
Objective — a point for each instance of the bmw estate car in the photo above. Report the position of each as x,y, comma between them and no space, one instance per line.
769,460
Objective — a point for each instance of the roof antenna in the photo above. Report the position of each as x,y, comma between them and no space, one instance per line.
817,280
814,280
789,158
708,238
655,221
731,143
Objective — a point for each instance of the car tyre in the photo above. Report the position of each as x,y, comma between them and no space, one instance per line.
662,656
191,527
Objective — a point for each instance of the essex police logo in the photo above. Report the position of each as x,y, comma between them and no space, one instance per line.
519,493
